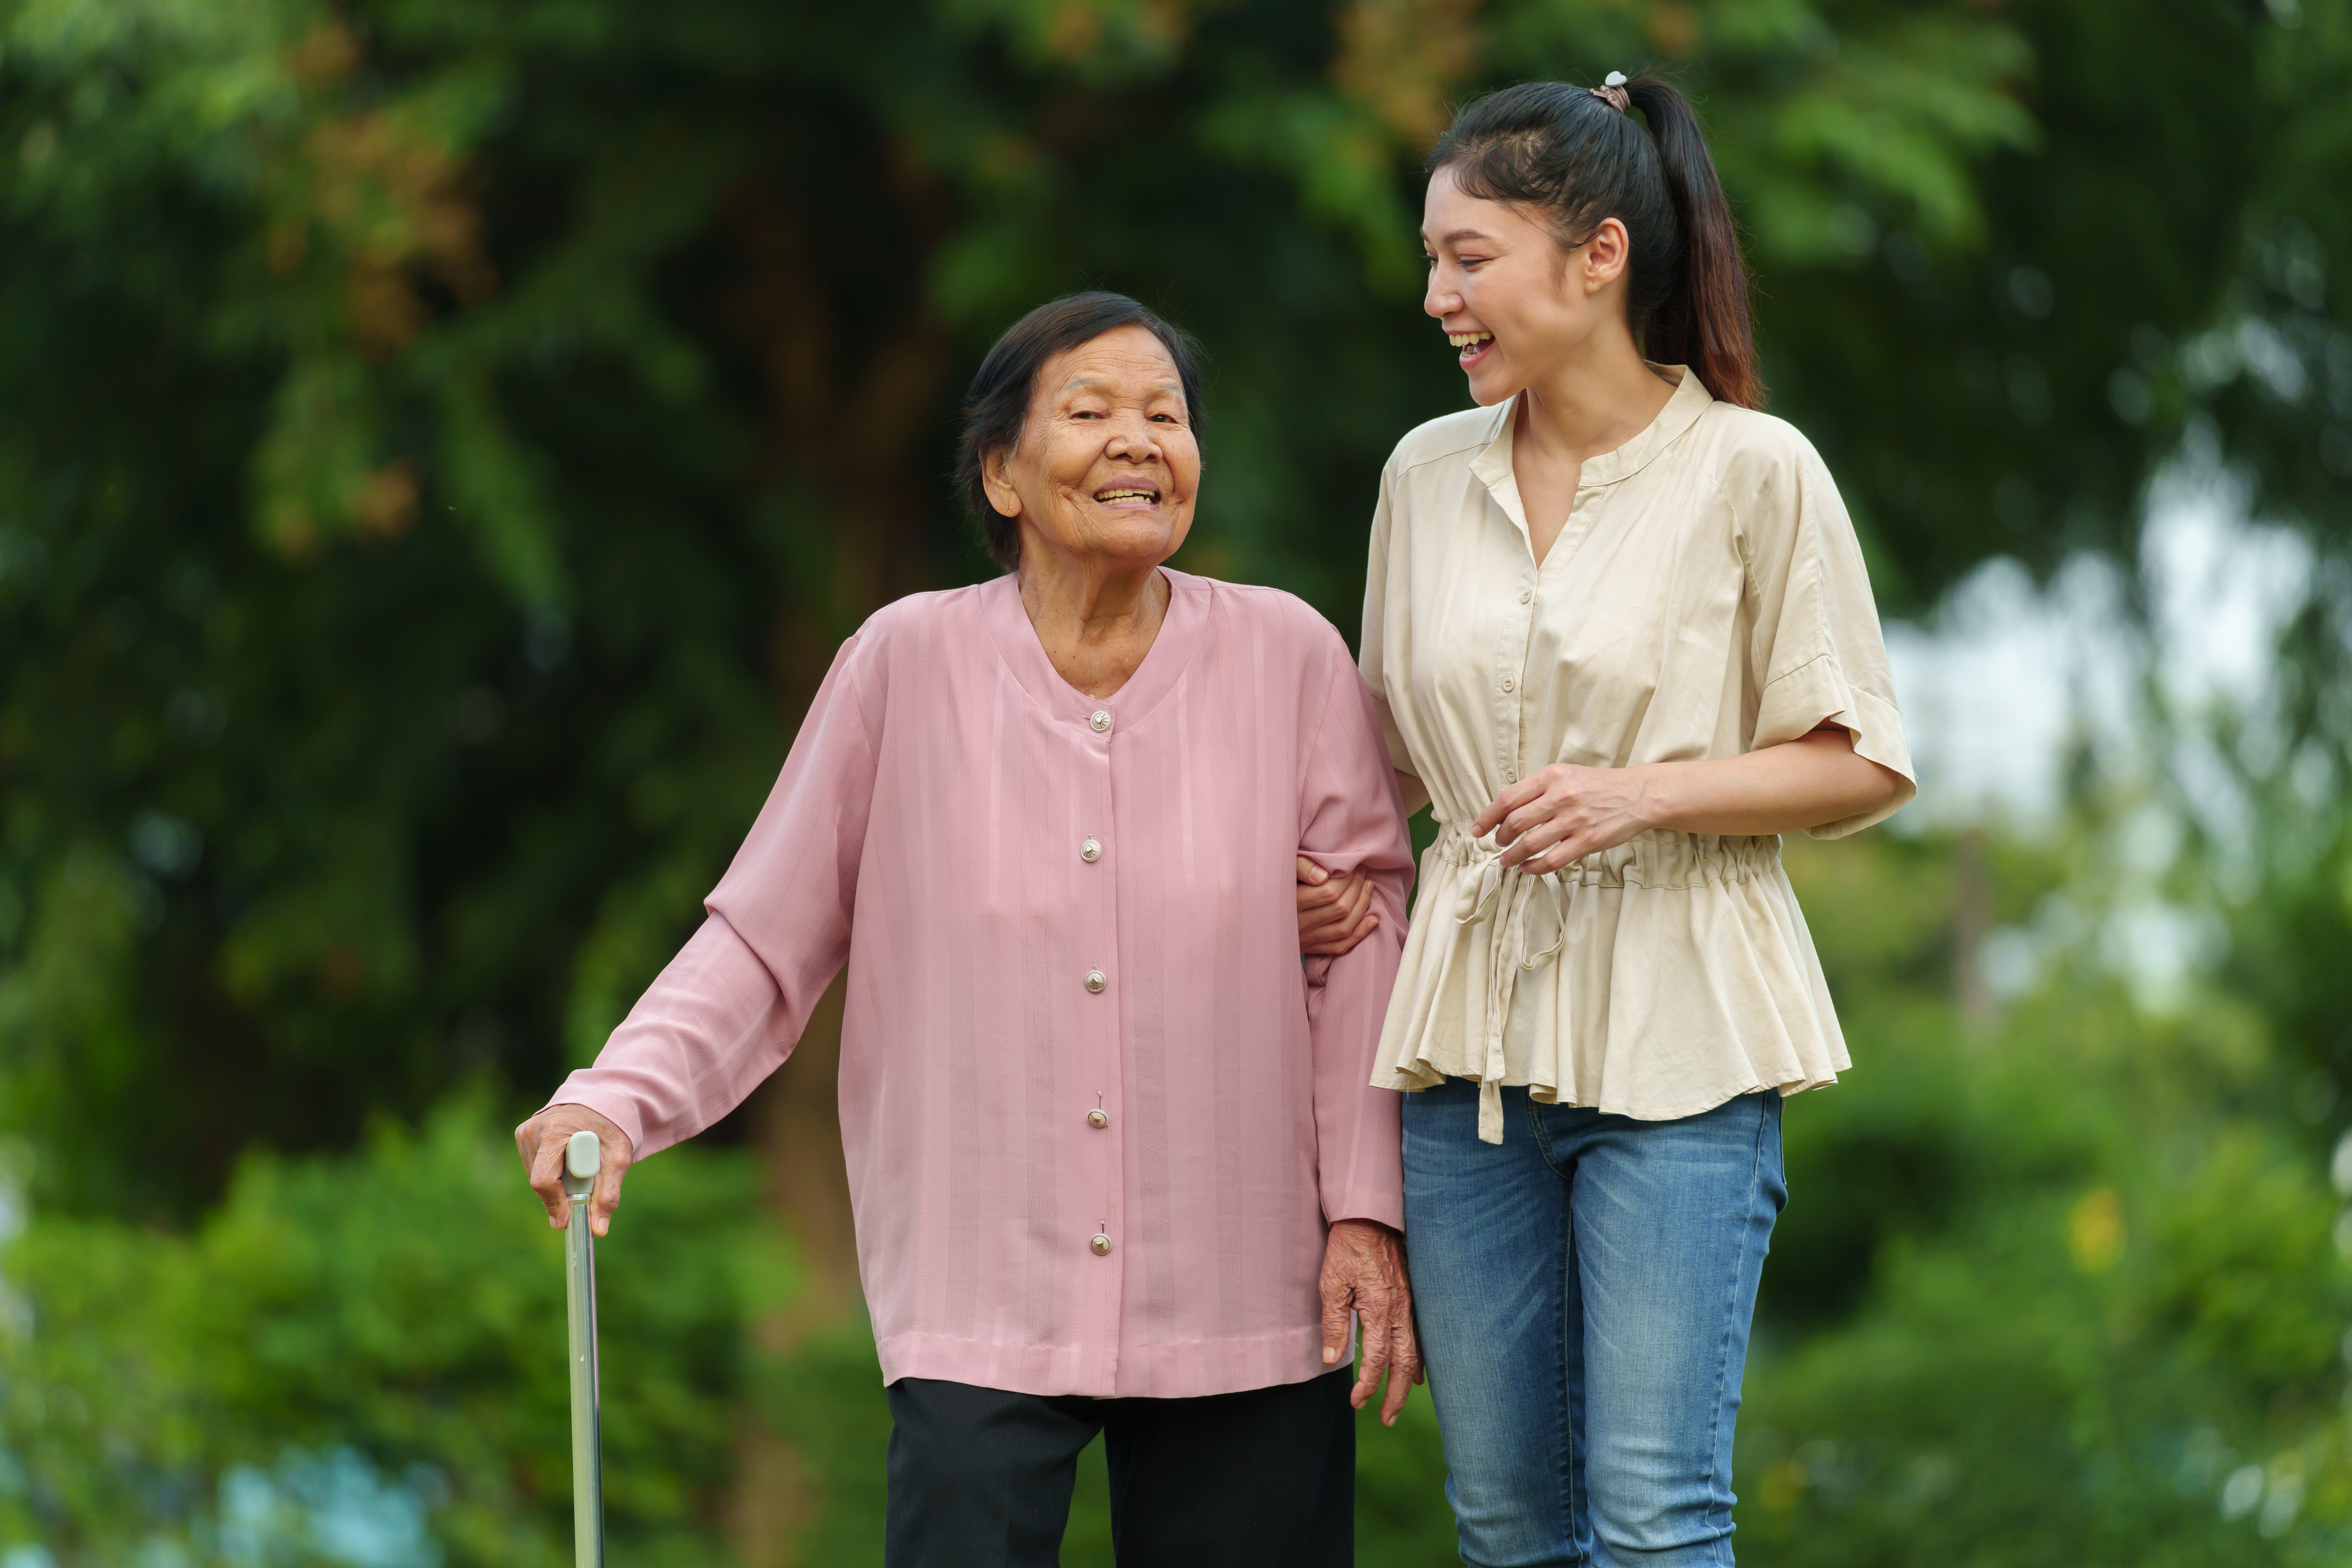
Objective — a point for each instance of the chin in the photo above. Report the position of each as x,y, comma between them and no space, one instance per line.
1491,385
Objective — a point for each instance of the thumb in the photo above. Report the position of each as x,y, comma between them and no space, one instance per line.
1311,874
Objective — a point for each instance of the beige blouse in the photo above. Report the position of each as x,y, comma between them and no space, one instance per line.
1707,598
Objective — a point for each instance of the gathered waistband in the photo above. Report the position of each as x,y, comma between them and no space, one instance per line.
1656,859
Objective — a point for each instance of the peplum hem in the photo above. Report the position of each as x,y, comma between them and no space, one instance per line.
1654,980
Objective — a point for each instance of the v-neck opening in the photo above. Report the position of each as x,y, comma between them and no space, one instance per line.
1155,676
1495,467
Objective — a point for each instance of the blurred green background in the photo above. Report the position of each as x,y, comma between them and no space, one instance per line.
442,441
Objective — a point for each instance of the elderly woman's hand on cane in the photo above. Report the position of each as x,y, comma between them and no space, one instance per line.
541,1140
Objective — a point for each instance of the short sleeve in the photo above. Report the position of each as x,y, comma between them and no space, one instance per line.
1373,654
1817,655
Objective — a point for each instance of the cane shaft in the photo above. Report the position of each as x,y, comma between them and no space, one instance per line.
587,1454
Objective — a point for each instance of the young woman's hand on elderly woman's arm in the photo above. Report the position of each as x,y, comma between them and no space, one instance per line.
1560,814
1335,913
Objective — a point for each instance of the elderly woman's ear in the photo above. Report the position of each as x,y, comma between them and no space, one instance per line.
999,484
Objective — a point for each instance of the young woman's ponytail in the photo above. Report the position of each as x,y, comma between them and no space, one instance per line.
1578,155
1704,322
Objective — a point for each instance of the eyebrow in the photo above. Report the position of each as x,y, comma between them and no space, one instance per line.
1454,235
1078,381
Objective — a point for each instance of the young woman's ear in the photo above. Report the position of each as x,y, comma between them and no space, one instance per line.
1606,254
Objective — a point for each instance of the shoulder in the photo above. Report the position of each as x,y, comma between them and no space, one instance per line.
1462,434
1284,622
917,638
922,620
1754,453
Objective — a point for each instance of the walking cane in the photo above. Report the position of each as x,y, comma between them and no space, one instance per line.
582,1156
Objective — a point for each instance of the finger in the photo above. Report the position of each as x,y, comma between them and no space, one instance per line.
1575,847
1323,926
546,1177
1503,804
1338,1299
1376,1351
1360,896
1324,897
607,1195
1538,836
1404,1368
1322,916
1312,874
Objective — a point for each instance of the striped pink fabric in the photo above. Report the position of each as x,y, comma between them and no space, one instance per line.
930,827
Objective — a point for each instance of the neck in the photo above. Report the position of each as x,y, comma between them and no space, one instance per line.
1097,618
1597,398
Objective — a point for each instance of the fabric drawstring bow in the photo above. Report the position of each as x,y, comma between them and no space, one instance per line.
1529,914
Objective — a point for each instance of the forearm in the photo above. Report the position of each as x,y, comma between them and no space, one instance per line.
711,1026
1786,788
1357,1167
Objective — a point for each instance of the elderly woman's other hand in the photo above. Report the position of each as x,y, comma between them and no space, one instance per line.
1364,1272
540,1141
1335,913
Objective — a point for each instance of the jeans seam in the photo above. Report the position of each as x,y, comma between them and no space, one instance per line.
1567,1405
1715,1548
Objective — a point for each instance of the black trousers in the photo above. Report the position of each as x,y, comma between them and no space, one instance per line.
1263,1479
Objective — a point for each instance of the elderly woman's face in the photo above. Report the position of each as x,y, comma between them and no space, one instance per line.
1106,467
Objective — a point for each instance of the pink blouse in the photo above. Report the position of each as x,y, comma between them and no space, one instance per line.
1053,906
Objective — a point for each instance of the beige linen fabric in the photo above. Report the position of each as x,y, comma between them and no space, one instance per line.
1707,598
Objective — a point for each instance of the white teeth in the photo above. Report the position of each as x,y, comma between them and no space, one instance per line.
1464,340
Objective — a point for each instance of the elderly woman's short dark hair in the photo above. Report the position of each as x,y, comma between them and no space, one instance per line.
998,401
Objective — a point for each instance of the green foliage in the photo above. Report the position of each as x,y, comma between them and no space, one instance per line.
2062,1291
361,1359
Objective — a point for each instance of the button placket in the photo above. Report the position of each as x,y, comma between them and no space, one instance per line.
1091,826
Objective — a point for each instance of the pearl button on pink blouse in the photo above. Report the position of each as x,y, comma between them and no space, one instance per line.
1051,906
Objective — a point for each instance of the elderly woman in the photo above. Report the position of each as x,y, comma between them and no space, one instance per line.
1114,1159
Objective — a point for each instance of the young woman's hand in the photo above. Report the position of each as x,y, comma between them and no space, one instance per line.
1335,913
1558,814
1561,814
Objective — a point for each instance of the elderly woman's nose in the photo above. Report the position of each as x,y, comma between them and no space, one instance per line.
1132,438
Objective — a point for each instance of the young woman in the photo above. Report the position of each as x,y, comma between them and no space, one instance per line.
1622,638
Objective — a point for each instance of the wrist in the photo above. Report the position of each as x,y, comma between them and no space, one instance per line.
1654,798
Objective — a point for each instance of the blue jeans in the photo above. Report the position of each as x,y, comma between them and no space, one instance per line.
1583,1293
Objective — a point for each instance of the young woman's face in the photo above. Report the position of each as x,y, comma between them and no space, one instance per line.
1514,303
